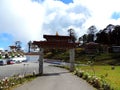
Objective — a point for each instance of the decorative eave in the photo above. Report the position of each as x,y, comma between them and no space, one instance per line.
61,45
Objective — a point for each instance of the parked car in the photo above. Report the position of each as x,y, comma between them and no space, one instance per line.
3,62
19,59
10,62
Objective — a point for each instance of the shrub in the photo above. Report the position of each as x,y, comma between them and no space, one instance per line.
48,55
106,87
98,83
85,76
0,56
7,83
80,73
89,80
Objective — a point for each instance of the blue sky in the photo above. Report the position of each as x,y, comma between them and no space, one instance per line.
64,1
116,15
67,1
6,39
25,20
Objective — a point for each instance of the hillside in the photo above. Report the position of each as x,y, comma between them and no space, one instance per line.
81,57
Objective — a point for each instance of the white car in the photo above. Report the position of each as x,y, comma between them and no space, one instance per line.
19,59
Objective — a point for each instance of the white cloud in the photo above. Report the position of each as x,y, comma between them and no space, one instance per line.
101,12
21,18
60,16
2,49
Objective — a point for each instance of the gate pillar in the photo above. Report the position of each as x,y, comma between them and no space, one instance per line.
41,61
72,57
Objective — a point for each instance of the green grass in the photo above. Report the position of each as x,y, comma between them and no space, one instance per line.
112,77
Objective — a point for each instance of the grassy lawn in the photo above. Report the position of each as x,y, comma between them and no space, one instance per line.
111,76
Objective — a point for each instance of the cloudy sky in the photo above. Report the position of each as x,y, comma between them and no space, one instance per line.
26,20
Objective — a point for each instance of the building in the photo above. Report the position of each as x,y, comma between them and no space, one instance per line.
56,41
92,48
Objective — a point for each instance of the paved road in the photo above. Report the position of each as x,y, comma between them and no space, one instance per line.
22,68
56,79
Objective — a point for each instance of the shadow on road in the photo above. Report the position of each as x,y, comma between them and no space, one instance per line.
54,74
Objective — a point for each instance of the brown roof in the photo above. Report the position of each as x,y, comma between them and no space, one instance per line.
56,41
56,36
12,47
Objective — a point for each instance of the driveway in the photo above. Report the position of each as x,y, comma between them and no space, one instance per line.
55,78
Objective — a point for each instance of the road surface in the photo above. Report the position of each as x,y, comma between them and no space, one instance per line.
21,68
55,78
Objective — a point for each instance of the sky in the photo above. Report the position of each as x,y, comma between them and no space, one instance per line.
25,20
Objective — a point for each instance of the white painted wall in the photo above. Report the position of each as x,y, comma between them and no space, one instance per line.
32,58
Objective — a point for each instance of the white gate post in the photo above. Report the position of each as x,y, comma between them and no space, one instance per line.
41,61
72,57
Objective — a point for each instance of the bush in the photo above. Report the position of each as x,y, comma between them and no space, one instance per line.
90,79
96,82
106,87
80,73
7,83
48,55
85,76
